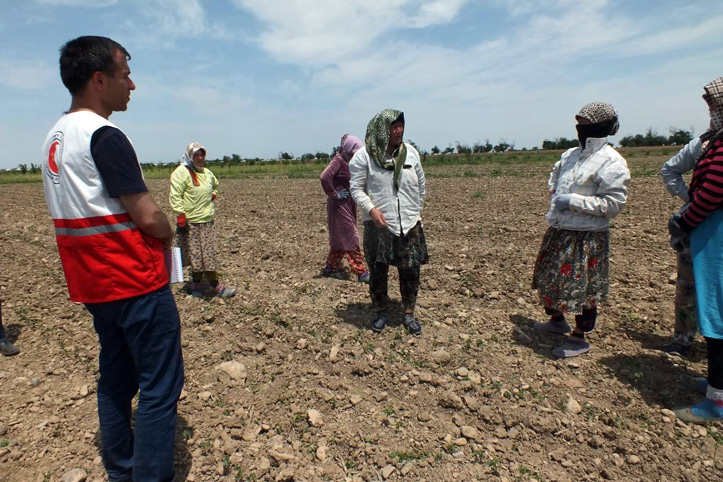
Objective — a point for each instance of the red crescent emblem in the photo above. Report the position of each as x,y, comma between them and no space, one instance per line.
51,157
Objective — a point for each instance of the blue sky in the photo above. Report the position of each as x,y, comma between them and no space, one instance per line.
258,77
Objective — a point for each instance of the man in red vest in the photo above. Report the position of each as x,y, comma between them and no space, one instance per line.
111,236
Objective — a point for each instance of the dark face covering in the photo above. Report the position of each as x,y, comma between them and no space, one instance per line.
595,131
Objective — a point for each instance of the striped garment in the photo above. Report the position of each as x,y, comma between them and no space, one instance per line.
706,188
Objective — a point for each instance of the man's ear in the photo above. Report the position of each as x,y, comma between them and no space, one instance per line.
97,79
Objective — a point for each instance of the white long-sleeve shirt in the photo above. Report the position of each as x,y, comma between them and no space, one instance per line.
373,187
598,178
673,170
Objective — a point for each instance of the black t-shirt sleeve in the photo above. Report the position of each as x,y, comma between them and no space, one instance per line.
117,162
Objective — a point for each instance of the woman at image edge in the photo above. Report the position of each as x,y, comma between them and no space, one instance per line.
588,187
701,227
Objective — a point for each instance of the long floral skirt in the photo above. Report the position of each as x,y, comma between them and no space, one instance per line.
571,271
382,246
198,247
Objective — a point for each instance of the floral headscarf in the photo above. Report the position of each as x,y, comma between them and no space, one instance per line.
714,96
191,149
377,141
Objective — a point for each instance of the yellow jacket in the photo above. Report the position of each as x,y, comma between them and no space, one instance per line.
196,202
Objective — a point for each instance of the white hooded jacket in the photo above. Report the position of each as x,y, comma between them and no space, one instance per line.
598,178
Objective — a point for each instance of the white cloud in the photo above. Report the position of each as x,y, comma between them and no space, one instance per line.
676,39
163,22
78,3
333,30
527,7
27,75
437,12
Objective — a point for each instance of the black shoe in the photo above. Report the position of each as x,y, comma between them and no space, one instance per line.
7,348
379,323
412,325
678,349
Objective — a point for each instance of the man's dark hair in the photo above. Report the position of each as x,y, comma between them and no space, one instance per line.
82,57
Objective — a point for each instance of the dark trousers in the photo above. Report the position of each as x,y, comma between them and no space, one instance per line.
584,322
379,286
715,362
140,348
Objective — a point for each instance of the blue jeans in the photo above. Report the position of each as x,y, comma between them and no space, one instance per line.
140,347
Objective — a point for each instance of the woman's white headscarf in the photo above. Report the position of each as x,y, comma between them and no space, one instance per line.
191,149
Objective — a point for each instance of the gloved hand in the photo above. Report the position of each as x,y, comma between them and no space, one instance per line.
679,239
343,194
561,201
181,224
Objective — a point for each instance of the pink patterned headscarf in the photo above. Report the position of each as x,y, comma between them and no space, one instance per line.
349,145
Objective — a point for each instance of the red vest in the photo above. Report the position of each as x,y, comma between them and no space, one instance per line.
105,256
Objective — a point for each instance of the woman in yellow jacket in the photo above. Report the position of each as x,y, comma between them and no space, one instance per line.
193,192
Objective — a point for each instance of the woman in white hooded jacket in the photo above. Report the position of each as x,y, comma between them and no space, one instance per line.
588,187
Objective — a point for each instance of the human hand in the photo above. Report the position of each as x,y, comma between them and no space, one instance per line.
343,194
561,201
378,218
213,196
181,224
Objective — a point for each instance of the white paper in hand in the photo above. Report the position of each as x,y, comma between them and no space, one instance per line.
174,265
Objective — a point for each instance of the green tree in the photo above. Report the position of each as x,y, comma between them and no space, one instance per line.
679,137
560,143
503,146
463,149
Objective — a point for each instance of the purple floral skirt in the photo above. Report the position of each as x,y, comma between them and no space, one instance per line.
571,271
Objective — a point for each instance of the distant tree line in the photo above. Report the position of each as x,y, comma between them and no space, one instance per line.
477,148
560,143
651,138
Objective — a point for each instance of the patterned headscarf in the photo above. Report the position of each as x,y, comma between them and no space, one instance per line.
191,149
714,97
598,112
349,145
377,141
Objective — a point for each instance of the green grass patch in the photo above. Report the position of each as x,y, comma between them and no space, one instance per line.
412,455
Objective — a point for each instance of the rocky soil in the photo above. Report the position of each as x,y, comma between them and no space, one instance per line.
285,383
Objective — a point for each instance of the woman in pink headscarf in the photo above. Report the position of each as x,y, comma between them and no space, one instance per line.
341,213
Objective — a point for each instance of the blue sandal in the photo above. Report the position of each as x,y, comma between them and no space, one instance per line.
379,324
412,325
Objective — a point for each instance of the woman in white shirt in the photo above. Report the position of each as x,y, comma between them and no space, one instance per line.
686,318
388,185
588,187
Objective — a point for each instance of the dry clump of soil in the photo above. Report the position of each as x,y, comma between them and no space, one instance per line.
284,382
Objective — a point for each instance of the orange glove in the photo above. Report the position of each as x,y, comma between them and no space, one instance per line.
181,225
